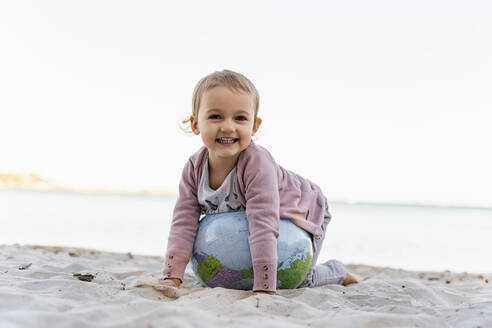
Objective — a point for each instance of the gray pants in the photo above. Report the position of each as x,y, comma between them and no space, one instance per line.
329,272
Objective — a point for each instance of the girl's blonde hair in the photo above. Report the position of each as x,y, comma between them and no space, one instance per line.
225,78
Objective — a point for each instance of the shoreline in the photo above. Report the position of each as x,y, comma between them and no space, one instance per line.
361,266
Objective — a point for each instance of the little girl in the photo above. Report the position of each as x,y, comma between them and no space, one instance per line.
230,173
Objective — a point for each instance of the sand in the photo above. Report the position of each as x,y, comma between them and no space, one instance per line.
66,287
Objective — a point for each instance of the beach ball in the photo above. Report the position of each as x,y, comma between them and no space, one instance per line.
221,255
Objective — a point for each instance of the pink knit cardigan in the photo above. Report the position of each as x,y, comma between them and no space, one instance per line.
267,190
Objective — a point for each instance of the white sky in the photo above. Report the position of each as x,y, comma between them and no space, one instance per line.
384,101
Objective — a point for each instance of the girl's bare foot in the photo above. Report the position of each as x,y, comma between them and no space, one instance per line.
349,278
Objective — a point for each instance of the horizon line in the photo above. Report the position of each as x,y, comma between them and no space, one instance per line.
165,193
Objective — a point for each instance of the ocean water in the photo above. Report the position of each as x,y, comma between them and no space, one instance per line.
408,237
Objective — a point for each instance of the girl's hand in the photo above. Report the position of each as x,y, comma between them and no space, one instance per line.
269,292
260,292
168,287
172,282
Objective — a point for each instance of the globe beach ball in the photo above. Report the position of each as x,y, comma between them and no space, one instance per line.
221,255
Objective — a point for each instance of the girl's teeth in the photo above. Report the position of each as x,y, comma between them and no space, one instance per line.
221,140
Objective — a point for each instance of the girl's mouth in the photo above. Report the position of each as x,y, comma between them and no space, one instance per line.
226,140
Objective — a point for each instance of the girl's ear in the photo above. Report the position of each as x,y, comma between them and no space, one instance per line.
194,125
256,126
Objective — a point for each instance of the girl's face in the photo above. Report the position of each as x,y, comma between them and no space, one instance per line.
226,123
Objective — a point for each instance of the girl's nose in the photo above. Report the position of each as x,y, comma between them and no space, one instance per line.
227,126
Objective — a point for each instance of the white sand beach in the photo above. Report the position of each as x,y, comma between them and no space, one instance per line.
67,287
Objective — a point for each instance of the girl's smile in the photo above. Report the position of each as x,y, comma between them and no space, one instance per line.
227,141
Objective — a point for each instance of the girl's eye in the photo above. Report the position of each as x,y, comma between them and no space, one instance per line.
242,118
214,116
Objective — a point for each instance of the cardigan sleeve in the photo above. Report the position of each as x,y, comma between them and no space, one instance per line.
183,227
263,214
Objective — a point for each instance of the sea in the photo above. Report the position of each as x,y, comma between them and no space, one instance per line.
411,237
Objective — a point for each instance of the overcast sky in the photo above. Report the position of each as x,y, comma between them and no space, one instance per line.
386,101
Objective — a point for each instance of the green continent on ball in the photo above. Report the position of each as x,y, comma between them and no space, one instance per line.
208,268
293,276
247,273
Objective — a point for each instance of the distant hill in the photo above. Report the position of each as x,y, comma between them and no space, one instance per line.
25,181
33,181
